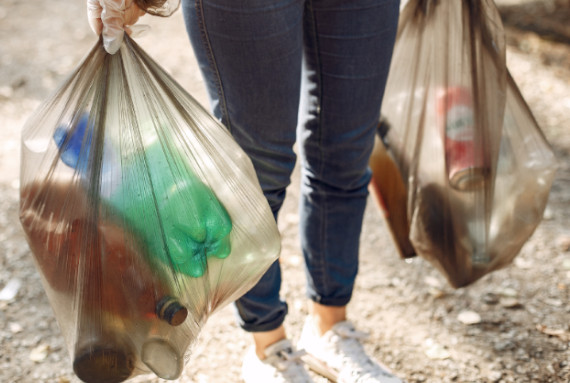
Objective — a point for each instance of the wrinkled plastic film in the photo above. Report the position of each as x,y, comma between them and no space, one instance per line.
162,8
525,172
451,108
143,215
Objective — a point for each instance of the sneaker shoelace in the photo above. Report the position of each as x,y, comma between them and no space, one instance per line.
353,357
289,364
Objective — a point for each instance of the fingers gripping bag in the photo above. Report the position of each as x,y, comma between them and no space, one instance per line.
142,213
477,169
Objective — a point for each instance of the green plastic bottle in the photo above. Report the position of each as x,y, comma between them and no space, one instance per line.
178,216
160,199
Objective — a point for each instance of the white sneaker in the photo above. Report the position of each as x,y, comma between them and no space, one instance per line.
339,356
282,365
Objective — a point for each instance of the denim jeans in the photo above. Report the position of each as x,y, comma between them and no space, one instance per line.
311,72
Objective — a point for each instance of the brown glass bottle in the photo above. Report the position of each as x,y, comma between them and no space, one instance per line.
390,193
69,247
103,353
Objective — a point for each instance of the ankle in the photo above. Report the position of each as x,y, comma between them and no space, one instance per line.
264,339
325,317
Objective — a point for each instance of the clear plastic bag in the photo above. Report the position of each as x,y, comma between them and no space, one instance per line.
476,166
143,215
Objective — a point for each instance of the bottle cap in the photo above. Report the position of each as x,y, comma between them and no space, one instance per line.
171,311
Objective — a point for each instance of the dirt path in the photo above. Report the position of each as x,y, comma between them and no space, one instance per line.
409,310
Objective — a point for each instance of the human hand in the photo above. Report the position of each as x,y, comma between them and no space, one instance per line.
112,18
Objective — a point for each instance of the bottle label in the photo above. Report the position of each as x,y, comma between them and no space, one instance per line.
459,125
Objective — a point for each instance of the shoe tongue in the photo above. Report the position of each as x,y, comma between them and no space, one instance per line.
282,345
346,330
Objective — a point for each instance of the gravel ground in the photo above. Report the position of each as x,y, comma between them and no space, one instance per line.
411,313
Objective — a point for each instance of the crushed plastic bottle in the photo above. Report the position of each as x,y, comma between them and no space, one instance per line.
157,186
195,224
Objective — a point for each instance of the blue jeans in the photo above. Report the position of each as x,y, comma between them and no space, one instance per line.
312,72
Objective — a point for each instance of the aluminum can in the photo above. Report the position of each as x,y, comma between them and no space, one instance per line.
464,157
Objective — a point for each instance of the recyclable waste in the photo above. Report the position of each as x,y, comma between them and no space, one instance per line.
475,165
195,224
142,213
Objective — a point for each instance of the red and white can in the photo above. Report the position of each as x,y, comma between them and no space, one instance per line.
464,157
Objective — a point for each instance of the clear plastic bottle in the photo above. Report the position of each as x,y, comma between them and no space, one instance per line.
162,357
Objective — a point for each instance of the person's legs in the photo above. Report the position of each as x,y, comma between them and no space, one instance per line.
250,55
348,48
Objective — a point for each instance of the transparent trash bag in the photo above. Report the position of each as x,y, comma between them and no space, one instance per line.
143,215
477,169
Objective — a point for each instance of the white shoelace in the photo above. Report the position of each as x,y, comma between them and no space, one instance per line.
287,358
289,364
349,332
360,367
